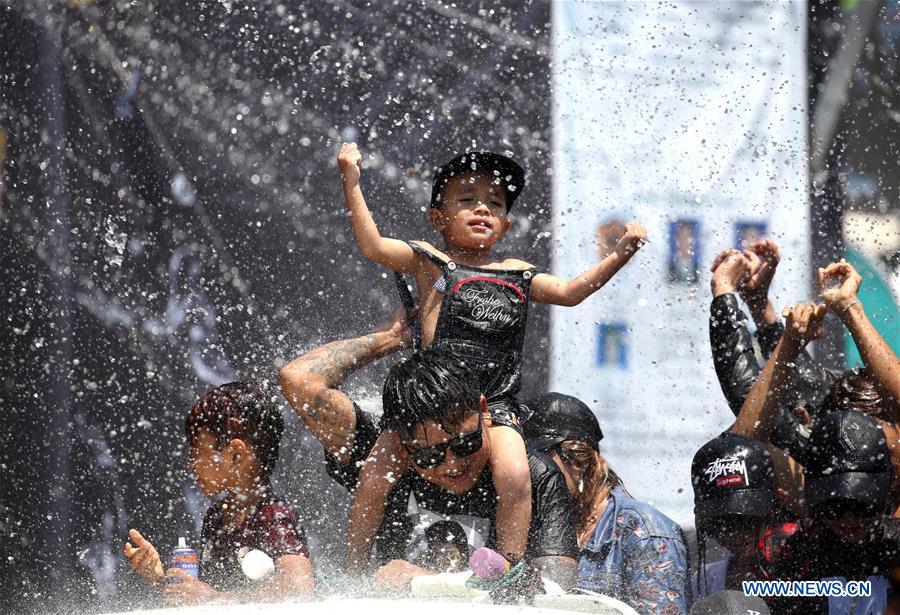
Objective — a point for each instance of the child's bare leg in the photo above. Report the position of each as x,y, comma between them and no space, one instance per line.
512,480
385,464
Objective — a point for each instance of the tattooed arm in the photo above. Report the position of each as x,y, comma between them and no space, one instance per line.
310,382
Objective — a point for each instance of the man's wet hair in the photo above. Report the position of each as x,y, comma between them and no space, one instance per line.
244,410
856,389
430,385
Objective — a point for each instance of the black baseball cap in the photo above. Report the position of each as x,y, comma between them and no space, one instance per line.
504,170
730,602
848,464
559,417
733,476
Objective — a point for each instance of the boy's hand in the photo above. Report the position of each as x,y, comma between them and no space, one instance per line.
635,236
840,284
803,322
144,558
349,161
763,257
396,575
187,590
729,271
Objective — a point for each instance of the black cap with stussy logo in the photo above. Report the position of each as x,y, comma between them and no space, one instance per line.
732,475
505,171
848,467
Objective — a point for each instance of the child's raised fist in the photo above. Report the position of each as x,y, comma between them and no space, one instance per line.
349,160
635,236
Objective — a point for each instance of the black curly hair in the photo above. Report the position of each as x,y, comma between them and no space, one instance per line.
244,410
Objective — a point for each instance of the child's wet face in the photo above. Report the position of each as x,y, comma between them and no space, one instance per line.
473,214
208,464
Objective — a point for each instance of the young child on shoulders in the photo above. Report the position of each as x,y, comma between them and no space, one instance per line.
234,432
474,305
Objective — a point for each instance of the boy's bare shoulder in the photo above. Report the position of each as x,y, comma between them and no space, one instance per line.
430,248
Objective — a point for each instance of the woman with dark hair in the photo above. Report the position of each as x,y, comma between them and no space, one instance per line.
628,549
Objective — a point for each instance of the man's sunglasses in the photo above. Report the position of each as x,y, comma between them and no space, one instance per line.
462,445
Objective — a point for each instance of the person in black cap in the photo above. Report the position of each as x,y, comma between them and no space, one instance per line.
851,535
736,502
853,532
629,550
472,304
848,474
805,392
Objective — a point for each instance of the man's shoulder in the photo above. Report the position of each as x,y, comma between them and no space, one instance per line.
546,478
540,464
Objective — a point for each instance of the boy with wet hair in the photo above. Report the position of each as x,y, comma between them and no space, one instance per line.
234,432
472,304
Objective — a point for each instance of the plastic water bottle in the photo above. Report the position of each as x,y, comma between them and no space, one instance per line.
184,558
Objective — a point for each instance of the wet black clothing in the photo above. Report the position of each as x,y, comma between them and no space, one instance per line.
737,366
551,533
364,436
482,321
814,553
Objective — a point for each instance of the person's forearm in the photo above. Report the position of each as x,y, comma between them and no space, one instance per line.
294,582
763,314
583,286
559,569
335,361
367,235
876,354
759,411
512,521
732,350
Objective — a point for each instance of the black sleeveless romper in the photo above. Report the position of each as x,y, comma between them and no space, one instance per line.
482,322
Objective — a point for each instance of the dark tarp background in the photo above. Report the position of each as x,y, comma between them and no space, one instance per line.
172,218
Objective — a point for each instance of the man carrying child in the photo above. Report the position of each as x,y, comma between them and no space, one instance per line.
434,404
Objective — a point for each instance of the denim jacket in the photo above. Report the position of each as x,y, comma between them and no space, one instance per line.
638,556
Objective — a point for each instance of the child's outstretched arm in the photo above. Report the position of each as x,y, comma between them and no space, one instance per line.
385,464
512,481
551,289
394,254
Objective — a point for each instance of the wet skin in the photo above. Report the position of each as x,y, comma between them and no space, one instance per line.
473,215
456,474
